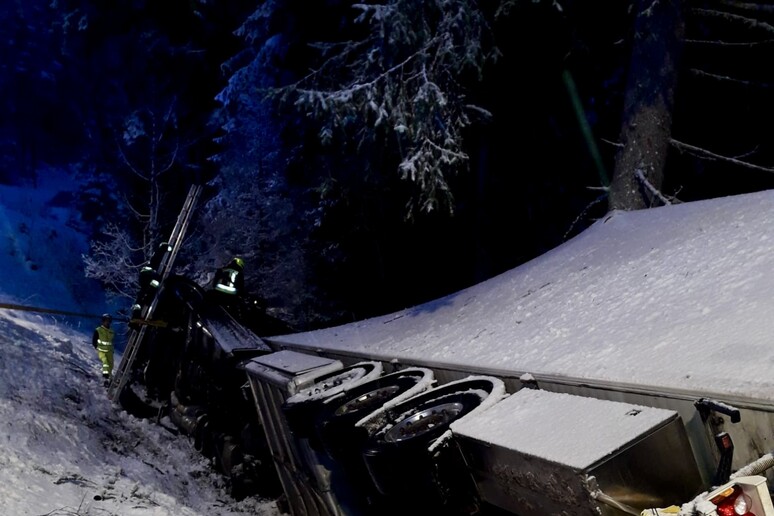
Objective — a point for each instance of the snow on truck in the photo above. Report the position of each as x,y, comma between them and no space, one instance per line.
628,371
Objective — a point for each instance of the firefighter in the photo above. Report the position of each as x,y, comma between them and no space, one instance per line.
150,280
102,340
230,279
150,277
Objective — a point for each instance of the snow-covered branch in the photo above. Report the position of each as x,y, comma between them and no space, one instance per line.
400,83
649,186
752,23
719,43
756,7
111,262
704,153
724,78
129,164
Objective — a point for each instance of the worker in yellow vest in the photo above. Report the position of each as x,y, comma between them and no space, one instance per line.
230,279
102,340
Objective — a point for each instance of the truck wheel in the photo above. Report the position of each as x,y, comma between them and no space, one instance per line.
336,423
398,455
302,408
336,430
397,458
230,455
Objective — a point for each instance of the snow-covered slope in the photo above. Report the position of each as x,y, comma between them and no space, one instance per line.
66,449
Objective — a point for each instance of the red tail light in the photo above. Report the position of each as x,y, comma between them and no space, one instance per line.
733,502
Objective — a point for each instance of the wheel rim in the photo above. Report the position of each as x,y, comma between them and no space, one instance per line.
369,400
423,422
331,383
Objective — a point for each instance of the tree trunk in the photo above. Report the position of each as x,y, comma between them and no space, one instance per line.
659,28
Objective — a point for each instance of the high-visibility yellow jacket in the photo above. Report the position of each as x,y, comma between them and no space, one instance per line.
103,339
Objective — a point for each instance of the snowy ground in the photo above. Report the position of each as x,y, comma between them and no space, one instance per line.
65,449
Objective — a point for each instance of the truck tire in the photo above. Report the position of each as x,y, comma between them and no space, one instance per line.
229,454
398,459
336,421
403,458
301,409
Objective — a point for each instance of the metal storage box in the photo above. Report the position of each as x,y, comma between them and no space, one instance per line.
540,453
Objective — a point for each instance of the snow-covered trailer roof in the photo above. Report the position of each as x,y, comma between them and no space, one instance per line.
678,297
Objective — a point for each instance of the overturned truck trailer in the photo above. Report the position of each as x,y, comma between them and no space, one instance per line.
185,375
621,372
372,438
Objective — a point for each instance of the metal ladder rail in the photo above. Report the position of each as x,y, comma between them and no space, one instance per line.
119,380
179,231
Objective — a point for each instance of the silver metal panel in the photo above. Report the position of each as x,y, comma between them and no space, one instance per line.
306,483
540,453
752,436
291,362
289,370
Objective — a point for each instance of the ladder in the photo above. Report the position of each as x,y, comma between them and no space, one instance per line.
124,369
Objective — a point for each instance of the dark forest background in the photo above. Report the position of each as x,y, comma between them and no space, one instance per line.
549,102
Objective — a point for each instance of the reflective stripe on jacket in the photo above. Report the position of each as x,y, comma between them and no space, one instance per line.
104,339
227,281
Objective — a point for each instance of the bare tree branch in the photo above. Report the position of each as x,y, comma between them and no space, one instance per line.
652,189
614,144
736,18
724,78
649,10
169,120
719,43
137,213
111,262
171,162
703,153
113,259
129,165
585,210
748,6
